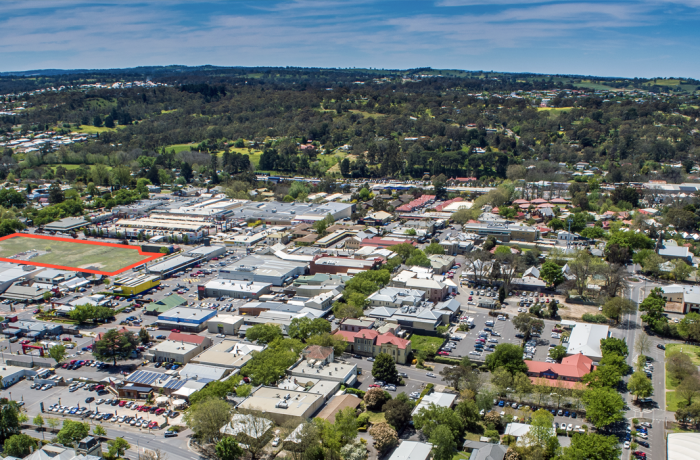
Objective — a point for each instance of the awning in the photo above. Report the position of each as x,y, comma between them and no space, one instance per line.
162,400
179,403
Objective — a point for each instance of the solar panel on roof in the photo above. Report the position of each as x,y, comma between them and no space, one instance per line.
174,384
145,377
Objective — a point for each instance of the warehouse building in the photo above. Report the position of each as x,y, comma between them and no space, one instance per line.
503,232
264,269
227,325
235,289
279,213
133,285
208,252
342,265
163,305
185,319
170,351
13,374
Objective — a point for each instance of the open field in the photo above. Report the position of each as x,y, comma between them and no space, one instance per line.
91,257
554,109
87,129
426,342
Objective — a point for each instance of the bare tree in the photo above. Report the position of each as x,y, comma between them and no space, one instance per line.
615,282
479,264
152,455
642,344
252,431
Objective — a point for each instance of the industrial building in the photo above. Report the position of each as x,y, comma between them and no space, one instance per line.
227,325
171,351
235,289
279,213
264,269
133,285
54,276
342,265
13,374
503,232
585,339
185,319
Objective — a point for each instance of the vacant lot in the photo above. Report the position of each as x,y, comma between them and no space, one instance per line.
426,342
70,254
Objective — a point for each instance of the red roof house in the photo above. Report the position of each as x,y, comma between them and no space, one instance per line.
571,370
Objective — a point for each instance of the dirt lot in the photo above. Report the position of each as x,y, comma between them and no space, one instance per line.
570,311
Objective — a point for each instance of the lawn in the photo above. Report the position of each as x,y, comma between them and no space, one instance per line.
179,147
376,417
693,351
554,109
672,400
69,167
87,129
461,456
425,342
72,254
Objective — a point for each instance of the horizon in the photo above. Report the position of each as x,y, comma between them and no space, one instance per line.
621,39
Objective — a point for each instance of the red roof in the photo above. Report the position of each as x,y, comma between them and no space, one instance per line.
388,337
538,201
417,203
120,331
559,201
381,339
575,366
521,202
383,242
443,205
189,338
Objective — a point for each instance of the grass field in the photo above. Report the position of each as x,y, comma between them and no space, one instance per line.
69,167
693,352
72,254
87,129
424,342
376,417
554,109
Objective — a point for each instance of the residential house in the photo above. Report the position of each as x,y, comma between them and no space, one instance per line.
571,370
368,342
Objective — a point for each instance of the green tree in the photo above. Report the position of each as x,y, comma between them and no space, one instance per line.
528,324
444,444
418,258
613,345
19,445
557,352
38,421
385,437
9,419
654,305
502,379
57,353
652,264
640,386
468,411
346,425
615,307
117,447
228,449
551,273
591,446
384,368
508,356
432,416
327,340
115,346
206,417
99,430
144,336
375,398
604,406
434,248
55,193
264,333
72,432
681,270
303,328
540,429
689,327
397,412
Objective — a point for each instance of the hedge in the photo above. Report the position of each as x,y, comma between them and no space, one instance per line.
355,391
428,388
444,360
594,318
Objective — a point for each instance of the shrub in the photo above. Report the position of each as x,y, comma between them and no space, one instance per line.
594,318
445,360
355,391
428,388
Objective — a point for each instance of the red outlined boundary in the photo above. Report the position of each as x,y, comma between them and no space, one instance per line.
148,256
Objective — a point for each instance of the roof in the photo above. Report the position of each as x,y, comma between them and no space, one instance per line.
585,338
165,304
201,371
187,315
188,338
317,352
147,377
438,399
337,404
412,450
485,450
675,251
682,446
575,366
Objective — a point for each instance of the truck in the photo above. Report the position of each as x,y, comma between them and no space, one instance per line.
470,322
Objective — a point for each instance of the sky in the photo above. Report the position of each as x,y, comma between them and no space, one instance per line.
648,38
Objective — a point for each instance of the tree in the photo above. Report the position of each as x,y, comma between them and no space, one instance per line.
345,167
613,345
615,307
418,258
354,451
117,447
640,386
375,398
228,449
527,324
346,425
384,368
468,411
688,389
19,445
557,352
384,436
57,353
53,423
642,344
98,430
264,333
72,432
582,267
205,418
540,429
327,340
679,366
591,446
434,248
523,384
432,416
144,336
156,454
604,406
443,441
303,328
55,193
508,356
689,326
681,270
502,379
9,419
654,305
115,346
551,273
652,264
97,121
397,412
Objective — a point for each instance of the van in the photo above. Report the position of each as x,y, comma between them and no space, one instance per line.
13,339
489,323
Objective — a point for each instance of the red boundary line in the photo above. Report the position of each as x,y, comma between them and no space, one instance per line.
149,256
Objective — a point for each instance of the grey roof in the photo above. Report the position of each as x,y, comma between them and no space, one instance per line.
169,264
412,450
485,450
201,371
67,224
674,251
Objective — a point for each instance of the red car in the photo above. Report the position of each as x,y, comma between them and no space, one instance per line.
153,424
160,411
639,454
24,342
122,403
443,353
374,385
178,330
470,297
67,339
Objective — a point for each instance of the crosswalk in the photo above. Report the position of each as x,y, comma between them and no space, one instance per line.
191,280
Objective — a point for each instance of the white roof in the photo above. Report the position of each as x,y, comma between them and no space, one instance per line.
585,339
682,446
412,450
439,399
532,271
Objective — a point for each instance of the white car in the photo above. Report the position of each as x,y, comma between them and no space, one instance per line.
501,318
430,374
275,442
642,435
562,426
99,401
627,444
570,427
220,336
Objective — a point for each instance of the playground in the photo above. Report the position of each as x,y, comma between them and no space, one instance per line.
69,254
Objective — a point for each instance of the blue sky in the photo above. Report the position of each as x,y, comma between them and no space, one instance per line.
654,38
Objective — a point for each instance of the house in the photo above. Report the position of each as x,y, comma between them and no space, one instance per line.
412,450
354,325
368,342
582,165
571,370
336,405
676,252
585,339
532,273
318,353
484,450
518,430
437,399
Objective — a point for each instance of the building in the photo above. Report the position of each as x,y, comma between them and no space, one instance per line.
279,213
88,449
32,329
396,297
484,450
676,252
437,399
24,291
283,406
503,232
682,446
342,265
412,450
435,291
441,263
185,319
244,426
203,373
202,341
518,430
264,269
169,351
163,305
336,405
67,224
222,287
368,342
319,354
13,374
681,298
54,276
377,219
355,325
571,370
227,325
133,285
585,339
345,374
228,354
384,243
208,252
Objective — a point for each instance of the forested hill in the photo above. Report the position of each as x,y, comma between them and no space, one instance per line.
350,122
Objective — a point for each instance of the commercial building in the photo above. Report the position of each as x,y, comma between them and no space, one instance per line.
13,374
235,289
278,213
208,252
12,273
163,305
344,265
264,269
503,232
441,263
54,277
571,370
228,354
585,339
170,351
203,373
32,329
369,342
518,430
423,318
133,285
378,242
24,291
412,450
681,298
185,319
67,224
283,406
244,426
227,325
435,291
356,325
396,297
682,446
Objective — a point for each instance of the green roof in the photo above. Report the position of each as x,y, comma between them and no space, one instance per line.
168,303
320,278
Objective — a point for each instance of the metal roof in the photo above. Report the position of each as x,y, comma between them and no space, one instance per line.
146,377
